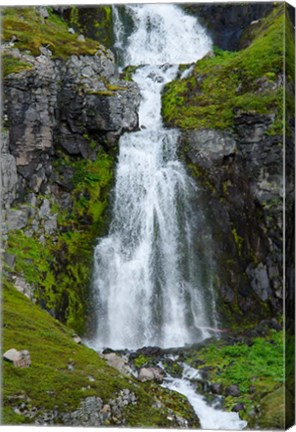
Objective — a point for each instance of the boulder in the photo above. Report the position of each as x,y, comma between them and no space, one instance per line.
42,11
150,374
24,287
233,390
18,358
238,407
119,363
77,339
216,388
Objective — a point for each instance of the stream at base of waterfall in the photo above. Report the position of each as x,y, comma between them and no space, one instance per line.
153,282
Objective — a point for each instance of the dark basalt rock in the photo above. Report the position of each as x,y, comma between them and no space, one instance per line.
238,407
232,390
62,104
239,174
226,22
216,389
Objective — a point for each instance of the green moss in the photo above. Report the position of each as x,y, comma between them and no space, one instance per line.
49,383
101,92
272,410
12,64
74,17
113,87
33,261
87,221
59,267
32,32
128,72
238,240
94,22
141,360
226,83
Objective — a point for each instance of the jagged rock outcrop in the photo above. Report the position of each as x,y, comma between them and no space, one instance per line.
64,103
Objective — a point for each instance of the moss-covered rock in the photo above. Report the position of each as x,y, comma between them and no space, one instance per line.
59,265
94,22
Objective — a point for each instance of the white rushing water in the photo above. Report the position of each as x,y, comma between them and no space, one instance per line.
210,417
152,283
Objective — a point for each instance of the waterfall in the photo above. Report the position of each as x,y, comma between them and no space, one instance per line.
153,272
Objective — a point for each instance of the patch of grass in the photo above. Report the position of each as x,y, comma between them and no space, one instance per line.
32,32
33,261
257,368
229,82
12,64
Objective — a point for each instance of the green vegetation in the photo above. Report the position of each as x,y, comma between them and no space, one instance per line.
256,367
49,383
128,73
141,360
238,240
13,65
228,82
95,22
59,267
32,32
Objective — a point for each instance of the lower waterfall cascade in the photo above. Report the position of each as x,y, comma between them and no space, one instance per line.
152,285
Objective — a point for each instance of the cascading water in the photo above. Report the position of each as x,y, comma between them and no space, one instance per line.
152,279
210,417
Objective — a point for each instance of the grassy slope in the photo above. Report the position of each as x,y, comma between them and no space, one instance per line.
49,383
228,82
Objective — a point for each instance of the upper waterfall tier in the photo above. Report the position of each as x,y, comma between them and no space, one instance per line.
162,34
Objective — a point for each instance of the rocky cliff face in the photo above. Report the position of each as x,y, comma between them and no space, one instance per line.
242,182
63,105
62,121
